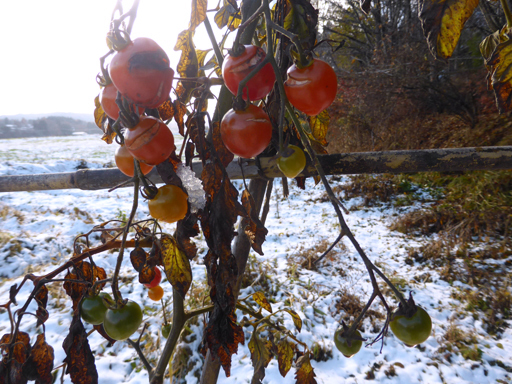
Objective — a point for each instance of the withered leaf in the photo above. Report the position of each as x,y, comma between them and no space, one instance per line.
198,13
185,230
138,258
442,23
319,125
225,156
79,358
39,364
166,110
260,357
262,301
295,20
201,56
176,264
147,274
305,373
497,52
99,113
254,228
13,370
179,115
12,293
296,318
188,65
83,272
227,16
285,352
41,298
196,129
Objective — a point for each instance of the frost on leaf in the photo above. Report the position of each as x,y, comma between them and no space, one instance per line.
253,227
260,356
79,358
192,186
442,23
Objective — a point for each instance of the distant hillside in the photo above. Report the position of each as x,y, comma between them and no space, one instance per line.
34,116
45,126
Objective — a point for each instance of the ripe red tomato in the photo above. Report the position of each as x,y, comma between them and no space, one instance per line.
156,293
412,330
342,343
246,133
170,204
150,141
121,323
294,164
141,72
108,96
235,69
311,89
156,280
93,309
124,161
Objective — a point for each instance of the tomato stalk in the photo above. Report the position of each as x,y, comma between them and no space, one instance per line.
506,11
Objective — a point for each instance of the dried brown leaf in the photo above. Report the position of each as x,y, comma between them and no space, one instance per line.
179,115
224,154
138,258
166,110
305,373
254,228
13,369
39,364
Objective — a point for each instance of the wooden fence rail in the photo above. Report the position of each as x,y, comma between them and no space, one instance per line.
430,160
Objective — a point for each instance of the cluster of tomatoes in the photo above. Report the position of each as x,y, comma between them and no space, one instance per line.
247,132
140,72
411,330
119,322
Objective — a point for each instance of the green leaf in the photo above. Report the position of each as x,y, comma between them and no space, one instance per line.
262,301
296,319
176,264
442,23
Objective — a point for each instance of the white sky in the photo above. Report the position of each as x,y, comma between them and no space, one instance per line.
50,49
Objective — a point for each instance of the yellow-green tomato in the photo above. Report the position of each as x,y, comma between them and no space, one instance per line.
92,309
294,164
342,343
121,323
412,330
169,205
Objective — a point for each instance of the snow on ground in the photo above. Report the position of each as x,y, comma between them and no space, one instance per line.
37,231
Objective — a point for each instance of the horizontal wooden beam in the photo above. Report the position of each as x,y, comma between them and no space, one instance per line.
411,161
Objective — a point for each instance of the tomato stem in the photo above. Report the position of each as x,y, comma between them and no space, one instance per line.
506,11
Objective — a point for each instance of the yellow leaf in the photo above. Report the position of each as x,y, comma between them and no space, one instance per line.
319,125
285,355
188,65
260,298
99,113
442,23
198,13
500,75
296,318
176,264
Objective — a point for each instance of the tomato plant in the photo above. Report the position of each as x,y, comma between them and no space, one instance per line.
92,309
150,141
347,347
156,293
108,97
293,164
246,133
166,330
170,204
124,161
141,72
120,323
236,68
412,330
156,280
313,88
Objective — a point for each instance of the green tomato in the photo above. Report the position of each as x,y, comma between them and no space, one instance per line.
93,308
166,330
294,164
343,346
412,330
121,323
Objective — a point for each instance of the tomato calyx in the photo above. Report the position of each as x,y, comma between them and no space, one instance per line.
118,39
149,192
348,342
237,50
406,311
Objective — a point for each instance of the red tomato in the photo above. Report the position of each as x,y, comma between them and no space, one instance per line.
141,72
124,161
311,89
108,96
235,69
156,280
150,141
246,133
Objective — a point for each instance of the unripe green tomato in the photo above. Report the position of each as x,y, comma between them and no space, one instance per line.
92,309
413,330
121,323
294,164
342,343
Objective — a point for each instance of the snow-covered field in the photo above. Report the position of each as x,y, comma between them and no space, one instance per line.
37,231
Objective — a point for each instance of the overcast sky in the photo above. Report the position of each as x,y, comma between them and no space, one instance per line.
50,49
